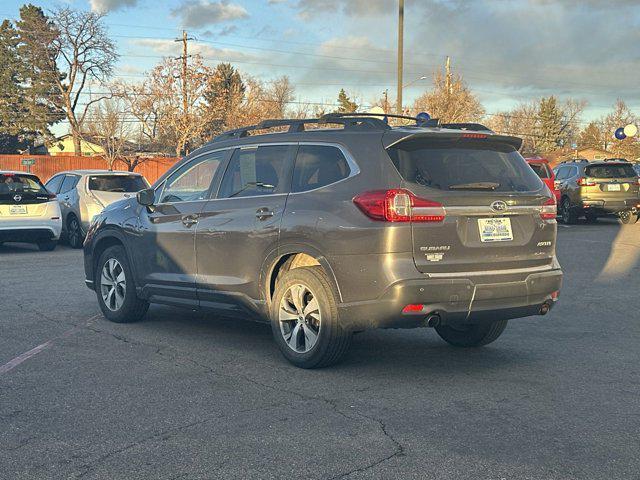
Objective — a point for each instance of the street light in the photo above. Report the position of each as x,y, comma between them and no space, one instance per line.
413,81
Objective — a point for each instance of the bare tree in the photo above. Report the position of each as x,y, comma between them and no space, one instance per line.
72,48
182,128
450,100
143,105
280,94
107,126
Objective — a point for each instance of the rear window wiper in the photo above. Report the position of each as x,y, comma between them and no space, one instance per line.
475,186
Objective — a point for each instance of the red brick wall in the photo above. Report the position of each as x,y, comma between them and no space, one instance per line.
46,166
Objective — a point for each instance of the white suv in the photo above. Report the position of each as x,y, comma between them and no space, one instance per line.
28,212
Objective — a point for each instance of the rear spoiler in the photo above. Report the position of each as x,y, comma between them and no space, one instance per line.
515,142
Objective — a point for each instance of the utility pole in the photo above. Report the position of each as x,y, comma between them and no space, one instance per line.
449,87
386,100
400,54
185,98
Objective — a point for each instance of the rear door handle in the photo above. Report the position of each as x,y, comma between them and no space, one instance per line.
189,220
264,213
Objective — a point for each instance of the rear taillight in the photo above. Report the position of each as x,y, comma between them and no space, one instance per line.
398,205
586,182
549,209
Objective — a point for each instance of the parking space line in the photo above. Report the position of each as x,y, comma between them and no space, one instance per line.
11,364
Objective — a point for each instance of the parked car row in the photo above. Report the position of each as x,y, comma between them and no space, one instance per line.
31,212
592,189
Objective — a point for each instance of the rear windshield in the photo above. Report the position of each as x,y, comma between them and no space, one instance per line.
117,183
12,184
610,171
541,169
455,165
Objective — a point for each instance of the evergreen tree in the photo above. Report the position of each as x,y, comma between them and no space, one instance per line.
346,105
26,109
223,96
550,125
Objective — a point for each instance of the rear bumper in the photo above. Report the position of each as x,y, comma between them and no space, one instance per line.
611,205
456,300
28,235
30,231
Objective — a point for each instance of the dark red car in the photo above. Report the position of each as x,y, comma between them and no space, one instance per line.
543,170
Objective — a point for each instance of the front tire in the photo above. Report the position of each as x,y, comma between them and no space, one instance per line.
567,212
628,218
116,289
75,237
304,319
475,335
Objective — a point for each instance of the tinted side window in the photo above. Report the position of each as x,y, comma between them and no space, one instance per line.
53,185
69,183
256,171
573,171
317,166
192,181
561,173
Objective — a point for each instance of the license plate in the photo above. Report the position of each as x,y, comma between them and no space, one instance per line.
18,210
614,187
495,229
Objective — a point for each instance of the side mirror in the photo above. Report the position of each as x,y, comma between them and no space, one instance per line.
146,197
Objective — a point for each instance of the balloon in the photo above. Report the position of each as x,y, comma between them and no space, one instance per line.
620,135
422,118
630,130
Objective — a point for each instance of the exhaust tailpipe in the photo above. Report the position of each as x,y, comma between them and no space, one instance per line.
433,320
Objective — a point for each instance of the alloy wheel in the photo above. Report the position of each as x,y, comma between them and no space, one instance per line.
300,318
113,285
74,232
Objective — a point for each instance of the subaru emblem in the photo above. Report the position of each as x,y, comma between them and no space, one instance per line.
499,206
17,198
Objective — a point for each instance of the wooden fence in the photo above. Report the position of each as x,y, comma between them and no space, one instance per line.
46,166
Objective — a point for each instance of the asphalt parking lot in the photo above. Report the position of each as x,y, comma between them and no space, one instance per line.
190,396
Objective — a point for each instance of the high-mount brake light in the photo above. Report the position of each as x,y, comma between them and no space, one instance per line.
586,182
474,135
549,210
399,205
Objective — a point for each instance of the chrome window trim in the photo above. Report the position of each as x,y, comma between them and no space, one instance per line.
353,166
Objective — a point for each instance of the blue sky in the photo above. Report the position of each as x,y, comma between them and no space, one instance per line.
507,50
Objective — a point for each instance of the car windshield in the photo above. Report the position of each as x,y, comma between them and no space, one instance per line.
117,183
455,165
616,170
16,183
541,169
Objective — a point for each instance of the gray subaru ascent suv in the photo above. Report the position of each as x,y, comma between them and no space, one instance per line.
333,226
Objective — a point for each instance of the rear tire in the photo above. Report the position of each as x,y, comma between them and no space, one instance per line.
628,218
304,319
75,236
475,335
47,246
116,288
567,212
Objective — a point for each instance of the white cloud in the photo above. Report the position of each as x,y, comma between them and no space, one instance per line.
200,13
104,6
169,48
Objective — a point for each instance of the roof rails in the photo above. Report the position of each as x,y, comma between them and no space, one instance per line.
616,160
297,124
350,121
575,160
